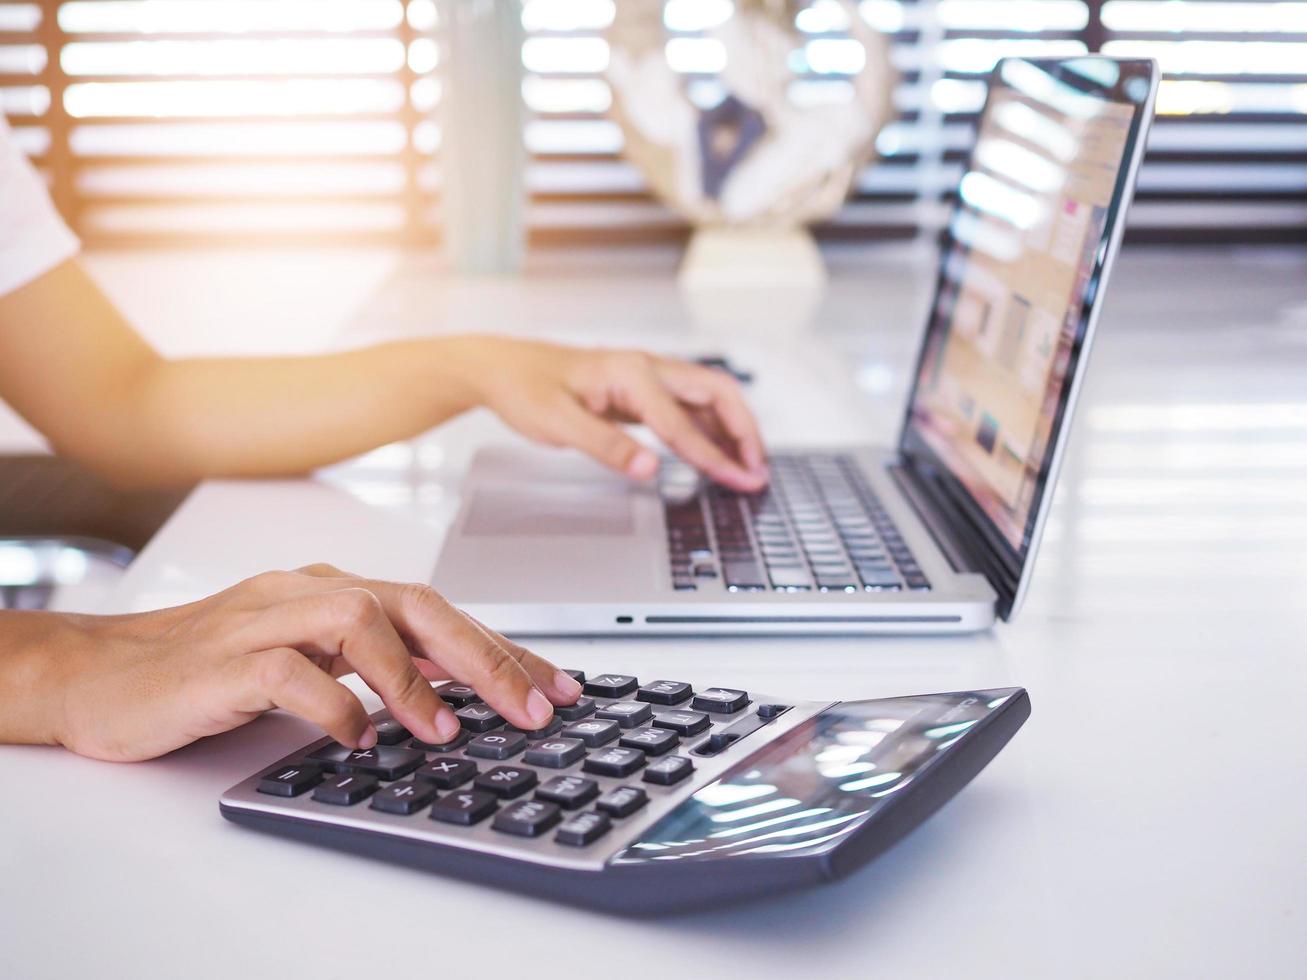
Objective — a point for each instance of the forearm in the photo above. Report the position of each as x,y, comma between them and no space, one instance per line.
37,651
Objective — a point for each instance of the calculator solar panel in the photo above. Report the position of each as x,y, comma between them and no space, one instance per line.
641,797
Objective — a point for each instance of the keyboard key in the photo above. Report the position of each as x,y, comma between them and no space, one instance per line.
404,798
652,741
576,675
457,695
722,700
569,792
536,733
465,807
479,717
683,723
457,742
664,692
611,685
666,772
526,818
836,583
290,780
594,733
382,761
496,745
614,762
583,828
447,773
876,578
556,753
506,781
574,712
769,711
628,714
790,578
346,789
622,801
390,732
743,575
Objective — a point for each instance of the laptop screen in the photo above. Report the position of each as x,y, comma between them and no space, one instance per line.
1024,253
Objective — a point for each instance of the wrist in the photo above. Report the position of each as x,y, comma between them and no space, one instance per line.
41,658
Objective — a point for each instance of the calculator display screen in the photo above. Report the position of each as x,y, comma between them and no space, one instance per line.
818,783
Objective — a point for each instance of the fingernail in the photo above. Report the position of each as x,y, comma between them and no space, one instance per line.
566,686
368,738
538,708
643,465
447,724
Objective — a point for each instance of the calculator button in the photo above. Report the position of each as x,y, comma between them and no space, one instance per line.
291,780
622,801
404,798
390,732
652,741
556,753
346,789
723,700
496,745
611,685
683,723
583,828
667,771
535,733
506,781
628,714
665,692
465,807
458,741
383,761
576,675
593,733
573,712
457,695
447,773
526,818
769,711
479,717
614,762
569,792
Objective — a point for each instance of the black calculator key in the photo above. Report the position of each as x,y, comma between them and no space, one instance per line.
628,714
622,801
594,733
346,789
583,828
576,675
683,723
465,807
611,685
383,761
404,798
666,772
527,818
390,732
769,711
479,717
665,692
569,792
291,780
496,745
723,700
447,773
506,781
457,695
457,742
614,762
653,741
556,753
535,733
575,712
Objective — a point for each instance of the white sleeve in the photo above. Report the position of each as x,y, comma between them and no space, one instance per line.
33,238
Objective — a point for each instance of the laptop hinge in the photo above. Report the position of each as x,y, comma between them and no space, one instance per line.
938,527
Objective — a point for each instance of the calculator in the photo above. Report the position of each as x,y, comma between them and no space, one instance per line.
642,798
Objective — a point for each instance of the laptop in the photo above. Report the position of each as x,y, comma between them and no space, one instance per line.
936,534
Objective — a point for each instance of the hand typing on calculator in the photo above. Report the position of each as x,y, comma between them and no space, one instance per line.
134,687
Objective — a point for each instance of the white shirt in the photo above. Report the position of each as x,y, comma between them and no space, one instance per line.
33,238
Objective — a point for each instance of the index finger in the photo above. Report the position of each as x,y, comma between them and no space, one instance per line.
709,387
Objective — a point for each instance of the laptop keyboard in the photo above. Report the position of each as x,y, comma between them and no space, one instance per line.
817,527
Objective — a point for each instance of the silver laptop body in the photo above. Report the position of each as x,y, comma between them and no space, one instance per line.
938,534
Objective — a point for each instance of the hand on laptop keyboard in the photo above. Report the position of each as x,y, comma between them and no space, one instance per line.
565,396
135,687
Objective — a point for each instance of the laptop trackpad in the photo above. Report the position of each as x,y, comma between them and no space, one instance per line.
545,510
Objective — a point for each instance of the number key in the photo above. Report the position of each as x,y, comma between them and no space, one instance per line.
479,717
557,753
496,745
593,733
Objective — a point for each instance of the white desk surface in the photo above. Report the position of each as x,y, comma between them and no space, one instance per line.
1149,821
